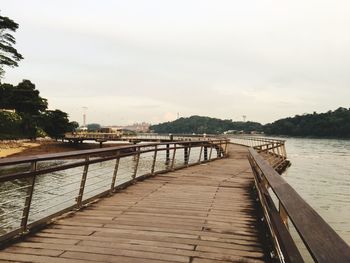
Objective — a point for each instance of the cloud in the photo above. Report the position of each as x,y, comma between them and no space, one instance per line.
148,60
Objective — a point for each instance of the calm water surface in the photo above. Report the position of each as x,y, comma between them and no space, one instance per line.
320,173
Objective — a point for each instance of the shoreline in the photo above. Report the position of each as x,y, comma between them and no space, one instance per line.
16,148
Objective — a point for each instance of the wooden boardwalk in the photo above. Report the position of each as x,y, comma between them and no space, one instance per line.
204,213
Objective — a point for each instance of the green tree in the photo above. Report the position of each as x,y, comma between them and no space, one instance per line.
55,123
73,125
200,124
93,127
10,125
27,99
27,102
9,56
329,124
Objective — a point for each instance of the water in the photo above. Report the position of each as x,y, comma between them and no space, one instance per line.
320,173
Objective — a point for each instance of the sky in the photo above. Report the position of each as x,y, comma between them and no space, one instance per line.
133,61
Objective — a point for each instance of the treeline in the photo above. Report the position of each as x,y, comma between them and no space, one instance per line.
24,114
199,125
330,124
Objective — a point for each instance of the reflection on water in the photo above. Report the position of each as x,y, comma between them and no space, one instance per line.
320,173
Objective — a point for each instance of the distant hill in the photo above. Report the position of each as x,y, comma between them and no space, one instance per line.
330,124
200,124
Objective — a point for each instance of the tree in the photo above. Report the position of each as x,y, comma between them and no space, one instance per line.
93,127
27,99
73,125
8,54
10,125
55,123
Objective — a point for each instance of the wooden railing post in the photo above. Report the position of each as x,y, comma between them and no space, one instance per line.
173,159
211,151
185,155
189,154
200,154
167,154
137,163
155,158
115,173
29,197
82,183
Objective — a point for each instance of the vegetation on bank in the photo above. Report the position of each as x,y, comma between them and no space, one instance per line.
24,114
330,124
199,124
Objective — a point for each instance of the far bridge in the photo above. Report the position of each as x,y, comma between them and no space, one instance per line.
100,137
194,200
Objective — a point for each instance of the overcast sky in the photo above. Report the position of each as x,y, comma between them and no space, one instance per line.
131,61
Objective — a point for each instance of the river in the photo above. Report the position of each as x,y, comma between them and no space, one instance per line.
320,173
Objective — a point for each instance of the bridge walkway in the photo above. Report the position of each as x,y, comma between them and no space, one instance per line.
204,213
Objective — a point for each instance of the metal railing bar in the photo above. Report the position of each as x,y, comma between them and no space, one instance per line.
60,186
97,188
94,183
11,222
11,212
14,190
55,195
11,201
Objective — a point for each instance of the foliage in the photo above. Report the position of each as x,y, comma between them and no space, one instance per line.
55,123
92,127
23,98
10,124
72,126
35,120
330,124
199,125
9,56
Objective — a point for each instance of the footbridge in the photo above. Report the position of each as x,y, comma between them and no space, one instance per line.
100,137
199,200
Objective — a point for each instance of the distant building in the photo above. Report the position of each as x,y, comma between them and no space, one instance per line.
138,127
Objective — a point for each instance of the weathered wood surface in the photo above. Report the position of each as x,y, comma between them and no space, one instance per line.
200,214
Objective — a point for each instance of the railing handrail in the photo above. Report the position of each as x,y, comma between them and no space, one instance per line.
51,156
323,243
141,135
255,138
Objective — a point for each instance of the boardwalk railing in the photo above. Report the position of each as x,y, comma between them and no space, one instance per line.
33,190
139,136
283,206
272,150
